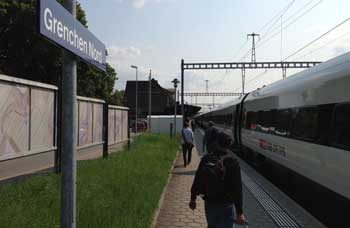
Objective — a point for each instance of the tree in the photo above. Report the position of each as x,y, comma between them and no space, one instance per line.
117,98
95,83
26,54
23,53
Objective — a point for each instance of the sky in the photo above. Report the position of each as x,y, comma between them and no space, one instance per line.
156,34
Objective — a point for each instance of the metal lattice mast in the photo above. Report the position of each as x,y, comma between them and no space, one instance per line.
253,35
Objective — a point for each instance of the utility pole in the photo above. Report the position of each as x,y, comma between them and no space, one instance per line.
243,79
136,68
150,100
178,96
69,127
175,112
253,35
137,97
206,86
284,72
175,82
182,90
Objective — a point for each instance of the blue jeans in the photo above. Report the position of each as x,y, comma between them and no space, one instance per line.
219,215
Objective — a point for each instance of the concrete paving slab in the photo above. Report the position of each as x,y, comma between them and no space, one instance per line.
174,211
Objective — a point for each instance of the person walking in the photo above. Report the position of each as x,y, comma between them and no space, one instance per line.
209,139
187,142
193,125
218,181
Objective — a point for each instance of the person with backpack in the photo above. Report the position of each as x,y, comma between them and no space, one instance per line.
218,181
187,142
209,139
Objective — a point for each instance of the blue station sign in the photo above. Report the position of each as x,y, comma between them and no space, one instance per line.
59,26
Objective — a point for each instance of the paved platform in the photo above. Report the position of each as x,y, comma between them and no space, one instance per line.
263,204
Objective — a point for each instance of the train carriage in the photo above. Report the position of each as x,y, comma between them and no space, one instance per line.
301,122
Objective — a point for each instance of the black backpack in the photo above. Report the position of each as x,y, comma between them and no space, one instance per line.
212,177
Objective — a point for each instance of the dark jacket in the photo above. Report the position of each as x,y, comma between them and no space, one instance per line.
209,139
232,176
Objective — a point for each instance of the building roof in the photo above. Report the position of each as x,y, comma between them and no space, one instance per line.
143,85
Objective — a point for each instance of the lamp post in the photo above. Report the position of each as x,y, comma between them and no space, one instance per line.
136,68
175,82
150,100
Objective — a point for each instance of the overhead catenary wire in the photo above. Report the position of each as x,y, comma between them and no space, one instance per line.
305,46
274,20
283,28
288,25
318,38
240,49
252,79
265,25
293,15
277,17
322,46
266,39
281,45
257,76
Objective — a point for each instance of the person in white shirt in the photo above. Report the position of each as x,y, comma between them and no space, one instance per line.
187,142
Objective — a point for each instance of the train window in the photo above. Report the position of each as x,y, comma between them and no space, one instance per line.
341,126
264,120
251,120
228,119
305,124
324,120
281,122
260,121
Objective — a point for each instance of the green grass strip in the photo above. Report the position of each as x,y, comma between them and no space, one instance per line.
122,191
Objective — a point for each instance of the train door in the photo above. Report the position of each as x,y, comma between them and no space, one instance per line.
239,120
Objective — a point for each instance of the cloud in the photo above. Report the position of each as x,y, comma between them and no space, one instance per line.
123,53
141,3
138,3
121,58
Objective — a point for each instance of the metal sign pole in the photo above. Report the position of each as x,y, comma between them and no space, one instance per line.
105,130
55,21
69,127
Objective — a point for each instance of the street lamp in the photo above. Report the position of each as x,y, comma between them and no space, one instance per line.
175,82
136,68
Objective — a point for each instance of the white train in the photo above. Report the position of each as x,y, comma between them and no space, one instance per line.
301,122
